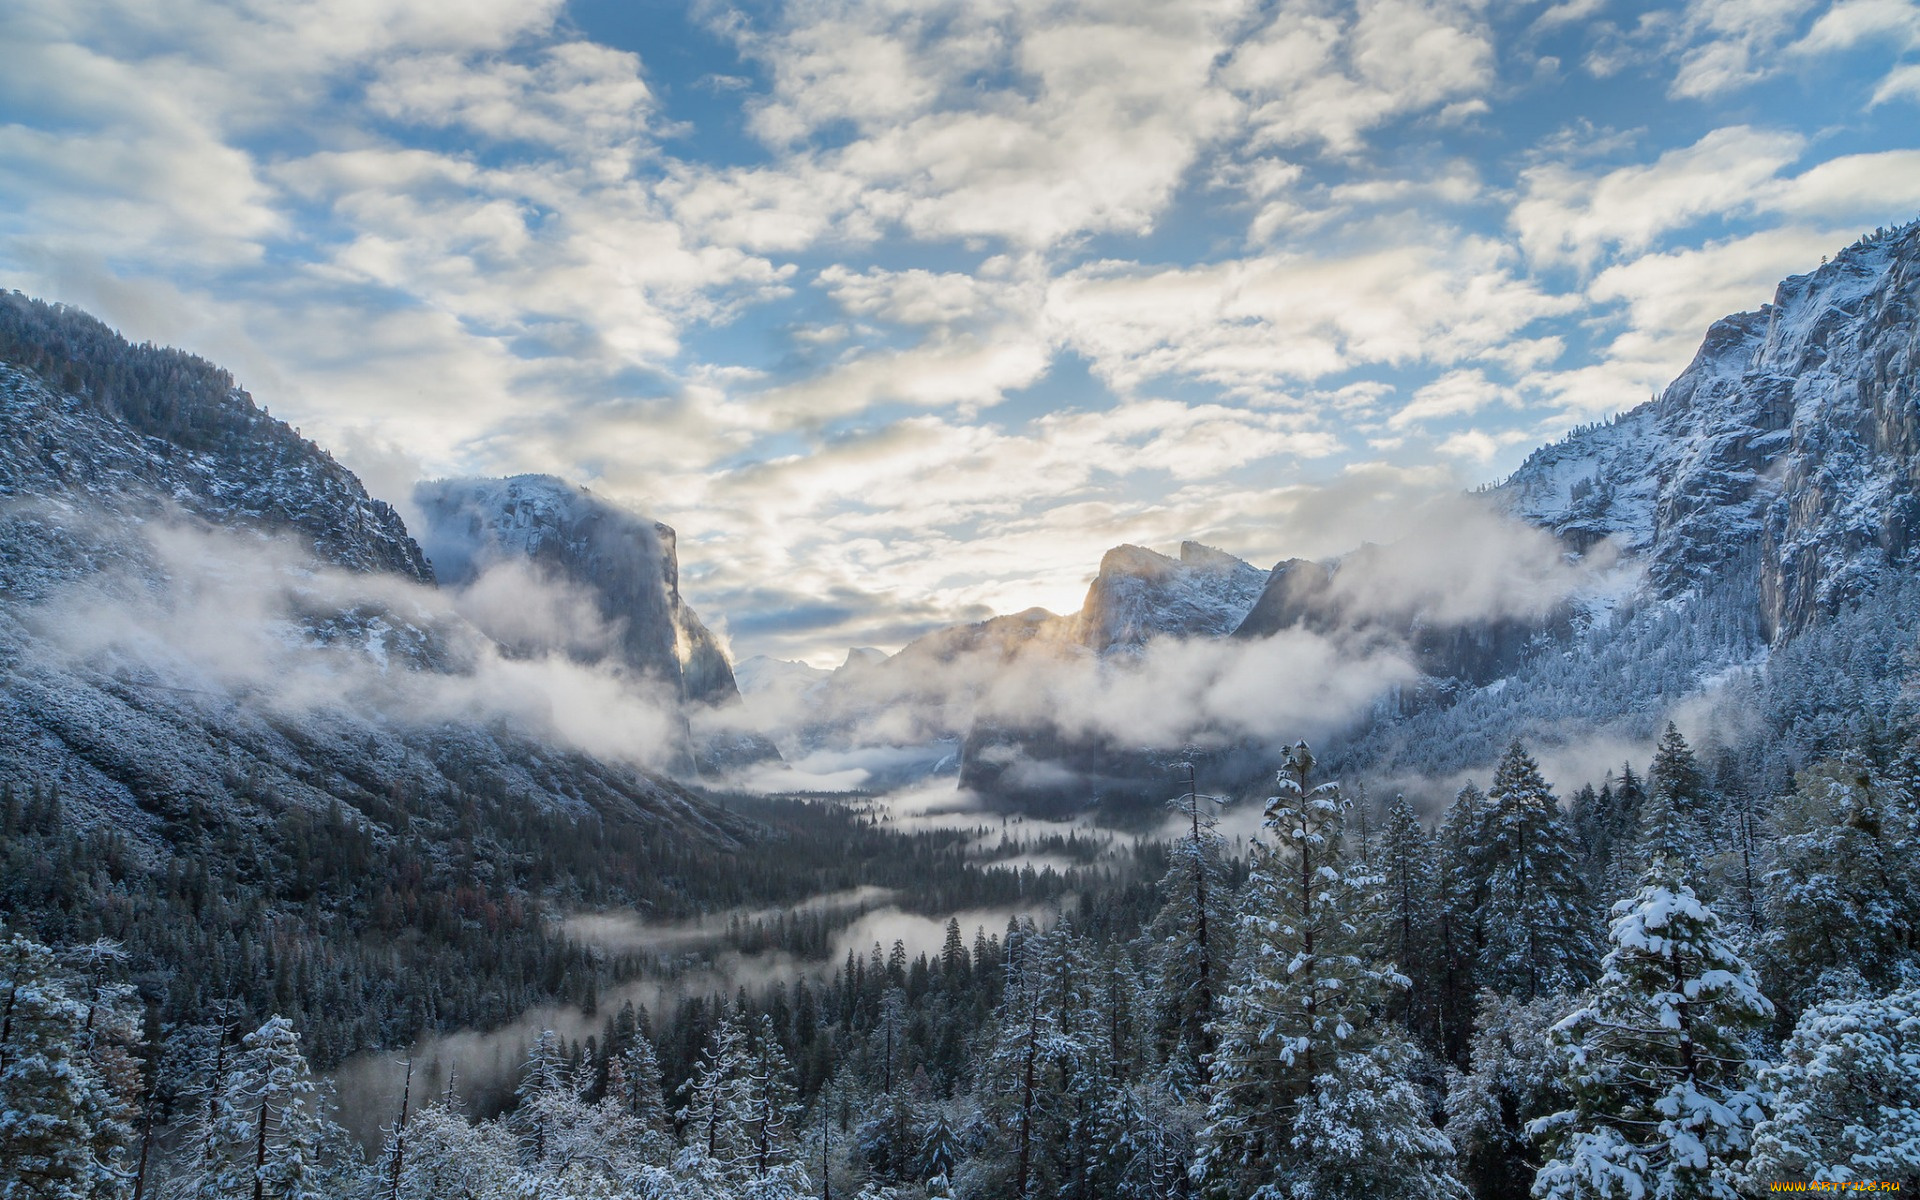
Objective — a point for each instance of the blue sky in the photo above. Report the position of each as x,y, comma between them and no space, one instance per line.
902,313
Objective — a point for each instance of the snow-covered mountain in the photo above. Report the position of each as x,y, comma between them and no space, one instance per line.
203,612
1767,489
627,565
1139,594
1784,456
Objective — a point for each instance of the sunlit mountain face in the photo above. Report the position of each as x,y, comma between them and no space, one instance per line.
904,315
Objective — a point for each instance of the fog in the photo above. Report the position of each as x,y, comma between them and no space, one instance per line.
1461,561
486,1064
242,616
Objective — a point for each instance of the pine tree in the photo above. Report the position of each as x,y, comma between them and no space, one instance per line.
1190,941
1840,895
65,1128
271,1129
1464,877
1622,834
633,1083
1846,1095
1538,939
1300,1015
1678,787
770,1102
1514,1080
1664,1096
1409,900
717,1116
1365,1131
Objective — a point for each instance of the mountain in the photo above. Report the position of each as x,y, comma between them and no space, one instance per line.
1139,594
131,431
625,565
201,612
1685,550
1768,497
1783,458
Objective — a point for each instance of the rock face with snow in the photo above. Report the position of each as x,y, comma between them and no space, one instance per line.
1783,457
1306,595
122,468
86,420
628,565
1140,594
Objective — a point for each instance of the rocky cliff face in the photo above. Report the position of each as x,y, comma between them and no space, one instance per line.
1140,594
146,503
130,431
1782,460
1307,595
626,564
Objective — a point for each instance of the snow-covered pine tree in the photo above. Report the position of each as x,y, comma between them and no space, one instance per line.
771,1102
1840,893
1515,1078
1538,929
1621,875
65,1124
1029,1088
716,1117
1664,1097
1408,902
1677,785
1298,1024
273,1129
1846,1095
1190,941
1366,1131
633,1082
1462,916
544,1091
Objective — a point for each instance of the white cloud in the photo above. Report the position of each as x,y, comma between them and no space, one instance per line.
1728,44
1566,215
1901,83
1323,75
575,98
1457,393
1252,326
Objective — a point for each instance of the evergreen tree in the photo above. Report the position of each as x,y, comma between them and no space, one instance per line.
1678,787
65,1132
1409,900
1299,1020
1538,939
716,1120
1664,1100
770,1102
1514,1080
1461,935
1190,941
1840,896
271,1131
1846,1095
1365,1131
1620,876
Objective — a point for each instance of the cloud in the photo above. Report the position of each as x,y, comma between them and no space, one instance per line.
1573,216
242,616
1457,393
1253,326
1325,75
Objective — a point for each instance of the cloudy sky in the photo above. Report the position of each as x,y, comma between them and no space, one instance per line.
903,312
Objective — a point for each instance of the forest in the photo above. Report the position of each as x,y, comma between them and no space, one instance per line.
1664,986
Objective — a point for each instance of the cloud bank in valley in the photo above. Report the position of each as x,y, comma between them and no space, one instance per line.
240,616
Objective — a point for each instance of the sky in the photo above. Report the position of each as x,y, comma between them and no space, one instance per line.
902,313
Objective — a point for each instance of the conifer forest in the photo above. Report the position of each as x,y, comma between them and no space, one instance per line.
959,599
